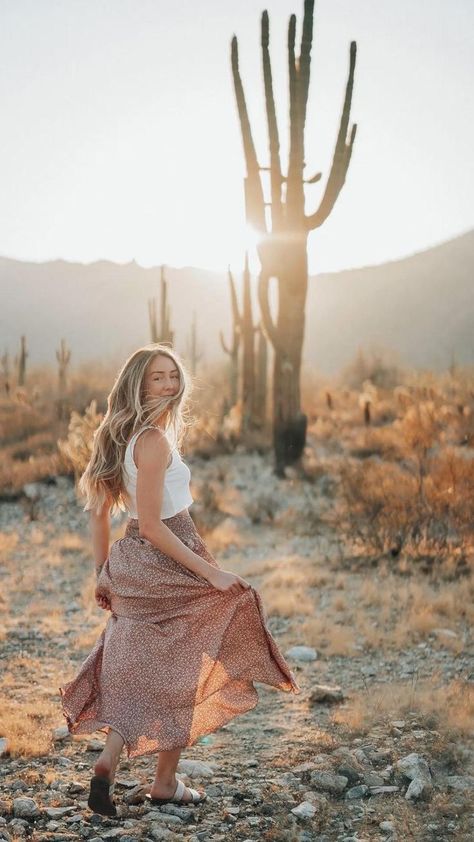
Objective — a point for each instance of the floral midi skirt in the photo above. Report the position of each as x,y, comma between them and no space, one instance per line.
177,658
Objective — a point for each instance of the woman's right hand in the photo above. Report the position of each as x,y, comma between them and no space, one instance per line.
223,580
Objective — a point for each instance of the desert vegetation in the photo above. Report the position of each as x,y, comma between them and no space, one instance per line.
363,555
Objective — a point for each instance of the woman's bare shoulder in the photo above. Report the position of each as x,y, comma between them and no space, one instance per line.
152,443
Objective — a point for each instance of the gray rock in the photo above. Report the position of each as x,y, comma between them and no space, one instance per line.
329,782
316,798
214,790
462,783
383,790
350,772
128,783
74,819
326,693
75,787
357,792
362,758
373,779
136,795
159,832
387,827
415,767
3,746
444,633
166,818
186,814
95,745
305,810
195,769
58,812
25,808
61,733
302,653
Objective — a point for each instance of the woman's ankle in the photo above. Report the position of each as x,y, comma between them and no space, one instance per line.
165,779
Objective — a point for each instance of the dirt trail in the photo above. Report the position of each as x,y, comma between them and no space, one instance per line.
286,752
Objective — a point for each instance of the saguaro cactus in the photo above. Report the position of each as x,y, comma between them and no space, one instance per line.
20,360
194,356
260,404
246,331
248,353
282,249
63,356
233,350
164,334
6,372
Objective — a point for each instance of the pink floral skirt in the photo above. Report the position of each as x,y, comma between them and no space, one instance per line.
177,658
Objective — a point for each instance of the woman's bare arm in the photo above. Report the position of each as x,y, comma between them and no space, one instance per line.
152,453
99,524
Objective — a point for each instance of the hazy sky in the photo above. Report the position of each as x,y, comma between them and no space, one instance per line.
120,137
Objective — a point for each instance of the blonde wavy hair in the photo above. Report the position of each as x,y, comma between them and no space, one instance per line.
128,410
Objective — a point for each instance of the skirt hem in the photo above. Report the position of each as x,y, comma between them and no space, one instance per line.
90,726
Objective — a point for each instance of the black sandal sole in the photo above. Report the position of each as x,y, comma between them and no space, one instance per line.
99,800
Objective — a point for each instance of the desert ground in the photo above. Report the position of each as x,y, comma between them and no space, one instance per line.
363,556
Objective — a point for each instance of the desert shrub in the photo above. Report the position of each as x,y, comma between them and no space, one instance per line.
77,447
380,366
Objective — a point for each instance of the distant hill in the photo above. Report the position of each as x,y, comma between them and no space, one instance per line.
421,307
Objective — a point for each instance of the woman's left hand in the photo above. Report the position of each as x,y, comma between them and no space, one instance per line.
102,598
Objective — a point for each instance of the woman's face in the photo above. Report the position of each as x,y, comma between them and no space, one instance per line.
161,378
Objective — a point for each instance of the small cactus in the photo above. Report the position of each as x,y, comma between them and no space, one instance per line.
164,335
233,350
20,361
194,356
6,372
63,356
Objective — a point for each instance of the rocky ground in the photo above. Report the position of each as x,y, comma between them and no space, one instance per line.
293,768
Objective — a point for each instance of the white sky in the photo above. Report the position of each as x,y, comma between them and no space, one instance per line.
120,137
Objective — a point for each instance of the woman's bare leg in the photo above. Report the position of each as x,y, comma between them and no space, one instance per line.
110,756
165,781
165,777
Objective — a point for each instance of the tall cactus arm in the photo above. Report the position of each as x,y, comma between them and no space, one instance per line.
305,59
233,297
254,200
273,136
342,154
293,83
263,300
224,346
235,342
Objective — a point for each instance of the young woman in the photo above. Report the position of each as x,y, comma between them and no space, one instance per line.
185,639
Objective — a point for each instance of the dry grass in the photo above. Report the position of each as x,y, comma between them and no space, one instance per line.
327,636
28,725
447,708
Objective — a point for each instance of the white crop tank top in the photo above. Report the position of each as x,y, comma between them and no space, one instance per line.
176,492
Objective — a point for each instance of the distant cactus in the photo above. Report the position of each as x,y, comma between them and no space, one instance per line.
367,413
20,362
194,356
243,329
6,372
260,407
233,350
248,353
164,334
63,357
